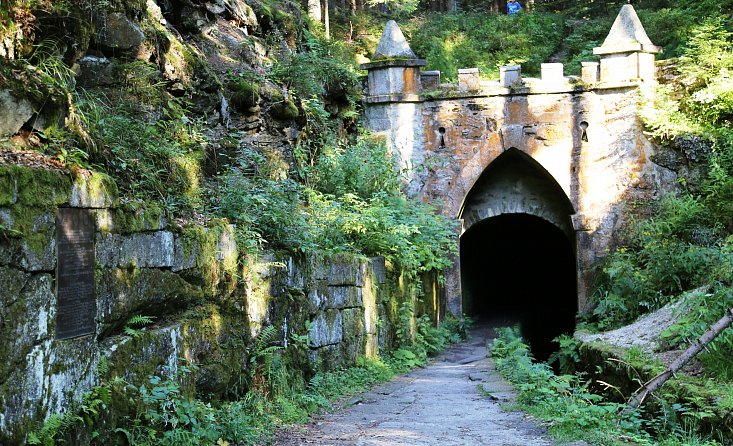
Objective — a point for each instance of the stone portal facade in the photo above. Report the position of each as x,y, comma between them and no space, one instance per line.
583,134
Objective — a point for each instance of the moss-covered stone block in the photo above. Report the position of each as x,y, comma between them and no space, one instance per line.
131,218
152,352
93,190
209,255
126,292
31,186
30,239
142,250
353,323
345,269
326,329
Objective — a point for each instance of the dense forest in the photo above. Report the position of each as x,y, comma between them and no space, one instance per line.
248,111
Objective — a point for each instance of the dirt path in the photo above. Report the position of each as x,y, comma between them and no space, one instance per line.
440,404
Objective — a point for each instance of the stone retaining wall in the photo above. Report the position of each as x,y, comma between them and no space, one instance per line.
208,299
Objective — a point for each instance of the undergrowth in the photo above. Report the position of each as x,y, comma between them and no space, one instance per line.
164,410
574,412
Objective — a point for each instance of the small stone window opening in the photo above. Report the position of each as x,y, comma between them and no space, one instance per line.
441,131
583,131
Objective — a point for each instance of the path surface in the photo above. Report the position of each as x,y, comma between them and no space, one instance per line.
436,405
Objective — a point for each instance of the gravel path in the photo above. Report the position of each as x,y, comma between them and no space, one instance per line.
440,404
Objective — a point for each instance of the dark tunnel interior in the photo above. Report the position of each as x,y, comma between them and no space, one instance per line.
520,269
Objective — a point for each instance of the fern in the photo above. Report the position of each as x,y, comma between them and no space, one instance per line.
137,321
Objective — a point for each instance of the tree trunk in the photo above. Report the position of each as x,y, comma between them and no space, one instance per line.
326,20
314,10
650,387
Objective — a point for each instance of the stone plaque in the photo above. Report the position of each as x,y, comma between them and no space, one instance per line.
75,264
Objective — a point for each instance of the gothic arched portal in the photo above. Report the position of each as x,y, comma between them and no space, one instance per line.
517,253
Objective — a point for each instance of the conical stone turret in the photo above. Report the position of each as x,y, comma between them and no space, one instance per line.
393,44
627,54
394,73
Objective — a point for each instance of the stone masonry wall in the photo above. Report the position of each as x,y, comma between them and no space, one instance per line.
208,299
589,140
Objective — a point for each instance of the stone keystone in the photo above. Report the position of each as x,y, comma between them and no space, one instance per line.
627,34
393,44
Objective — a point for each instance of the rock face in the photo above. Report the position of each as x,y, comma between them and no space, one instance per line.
13,113
208,301
117,32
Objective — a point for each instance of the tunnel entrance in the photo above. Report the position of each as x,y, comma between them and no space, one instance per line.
520,269
518,251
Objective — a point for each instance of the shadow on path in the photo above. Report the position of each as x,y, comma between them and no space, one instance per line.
439,404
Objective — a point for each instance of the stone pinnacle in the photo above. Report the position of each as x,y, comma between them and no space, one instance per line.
393,44
627,28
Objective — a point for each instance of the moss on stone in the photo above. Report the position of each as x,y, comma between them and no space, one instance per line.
34,186
245,94
99,184
136,217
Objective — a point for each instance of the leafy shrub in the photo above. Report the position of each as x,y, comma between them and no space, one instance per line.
364,168
564,400
157,159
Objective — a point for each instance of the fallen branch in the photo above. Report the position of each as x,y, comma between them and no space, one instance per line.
658,381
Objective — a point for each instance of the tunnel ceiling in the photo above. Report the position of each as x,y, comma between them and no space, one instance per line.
516,184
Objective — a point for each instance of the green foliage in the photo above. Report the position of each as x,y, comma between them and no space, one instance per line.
674,251
322,67
365,214
245,92
151,158
463,40
364,169
698,311
565,400
684,246
576,413
135,323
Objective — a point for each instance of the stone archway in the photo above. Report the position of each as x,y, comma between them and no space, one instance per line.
517,253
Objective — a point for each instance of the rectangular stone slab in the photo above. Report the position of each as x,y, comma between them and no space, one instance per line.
75,291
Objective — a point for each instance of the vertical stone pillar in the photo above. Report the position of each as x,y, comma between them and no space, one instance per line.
590,72
430,80
509,75
395,69
468,79
552,74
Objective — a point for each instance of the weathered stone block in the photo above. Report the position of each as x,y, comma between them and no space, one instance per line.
14,113
33,245
552,74
345,270
153,352
430,80
97,191
342,297
353,323
96,71
510,75
116,31
50,377
468,79
590,72
123,293
326,329
27,314
151,250
379,270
